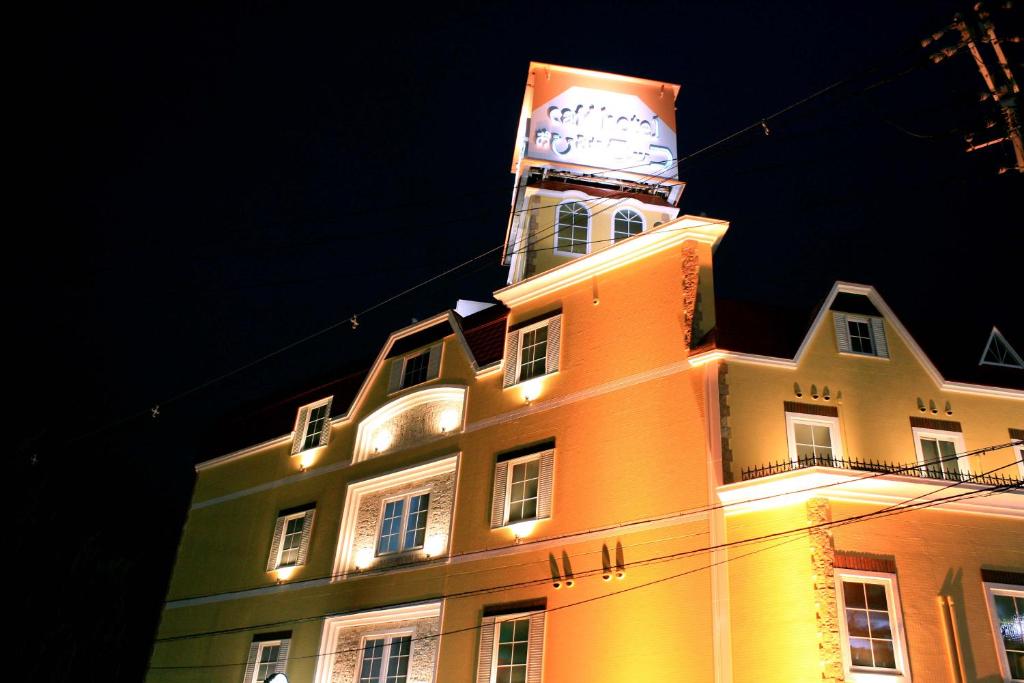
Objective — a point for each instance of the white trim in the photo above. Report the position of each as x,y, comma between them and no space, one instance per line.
519,349
666,236
835,436
991,590
334,624
343,558
834,483
508,486
284,534
892,595
364,449
957,438
866,321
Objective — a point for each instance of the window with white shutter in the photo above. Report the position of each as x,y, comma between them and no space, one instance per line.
268,654
860,335
292,533
312,426
511,647
523,483
415,368
532,349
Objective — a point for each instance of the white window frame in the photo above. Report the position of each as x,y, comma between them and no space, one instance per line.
284,534
259,652
508,487
865,320
991,590
519,353
590,218
300,444
892,595
498,621
407,497
643,223
962,464
820,420
388,636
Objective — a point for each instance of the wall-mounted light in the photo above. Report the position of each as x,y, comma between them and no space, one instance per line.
448,420
364,558
284,573
381,441
306,459
531,390
523,529
435,545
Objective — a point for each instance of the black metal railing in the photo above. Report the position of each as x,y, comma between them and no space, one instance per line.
932,471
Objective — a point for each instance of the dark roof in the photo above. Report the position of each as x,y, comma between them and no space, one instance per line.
485,334
952,339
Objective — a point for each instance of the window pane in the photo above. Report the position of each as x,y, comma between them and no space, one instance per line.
513,647
415,369
882,651
627,222
315,426
572,228
391,527
373,653
880,627
876,596
534,353
853,594
802,433
398,659
857,623
822,435
416,527
860,652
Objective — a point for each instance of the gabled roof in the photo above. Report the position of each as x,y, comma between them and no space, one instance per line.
482,336
948,346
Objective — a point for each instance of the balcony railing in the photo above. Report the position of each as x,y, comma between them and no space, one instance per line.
933,471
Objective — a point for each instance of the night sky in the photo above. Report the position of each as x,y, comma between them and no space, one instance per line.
205,187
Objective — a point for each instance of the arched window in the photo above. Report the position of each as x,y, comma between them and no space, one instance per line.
626,223
573,228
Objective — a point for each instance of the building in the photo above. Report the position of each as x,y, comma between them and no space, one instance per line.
607,475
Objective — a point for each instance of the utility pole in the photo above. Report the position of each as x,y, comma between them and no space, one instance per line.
975,31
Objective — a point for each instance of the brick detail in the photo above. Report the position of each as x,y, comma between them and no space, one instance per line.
931,423
691,274
865,562
723,414
827,616
811,409
996,576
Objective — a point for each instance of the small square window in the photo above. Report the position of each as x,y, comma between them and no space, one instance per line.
860,335
523,487
415,368
939,454
403,524
814,440
292,534
312,426
266,657
871,625
532,350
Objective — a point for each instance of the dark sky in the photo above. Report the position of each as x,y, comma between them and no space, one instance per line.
206,186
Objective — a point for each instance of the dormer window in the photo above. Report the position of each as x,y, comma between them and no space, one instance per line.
998,352
415,368
312,426
860,335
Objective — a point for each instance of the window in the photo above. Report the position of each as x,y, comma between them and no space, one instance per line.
511,647
523,485
938,454
573,228
403,523
998,352
532,349
415,368
1006,609
814,439
860,335
871,626
268,654
385,659
1017,435
292,533
626,223
312,426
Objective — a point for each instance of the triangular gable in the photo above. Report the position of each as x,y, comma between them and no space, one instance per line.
999,352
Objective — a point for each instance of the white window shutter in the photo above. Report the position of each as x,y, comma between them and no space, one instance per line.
434,362
250,663
395,379
300,430
325,433
535,648
842,332
282,654
511,357
486,656
498,499
275,545
878,334
307,533
544,484
554,344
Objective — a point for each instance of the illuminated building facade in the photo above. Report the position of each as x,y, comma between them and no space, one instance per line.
606,477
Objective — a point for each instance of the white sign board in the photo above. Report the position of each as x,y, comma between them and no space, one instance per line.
607,130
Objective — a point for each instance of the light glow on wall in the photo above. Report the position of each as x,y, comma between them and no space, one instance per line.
307,458
449,420
531,389
285,573
364,558
523,529
382,440
435,545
